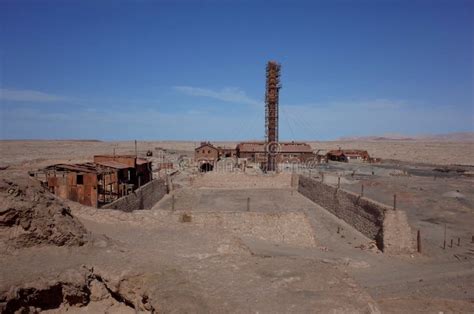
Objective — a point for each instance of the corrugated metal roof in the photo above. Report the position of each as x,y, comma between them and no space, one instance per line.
349,152
336,152
206,144
142,161
113,164
253,147
115,156
294,147
86,167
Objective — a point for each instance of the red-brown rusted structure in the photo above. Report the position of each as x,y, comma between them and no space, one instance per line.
271,113
96,183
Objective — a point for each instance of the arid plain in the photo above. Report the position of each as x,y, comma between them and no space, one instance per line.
229,241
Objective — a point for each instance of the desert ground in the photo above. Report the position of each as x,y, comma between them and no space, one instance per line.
228,241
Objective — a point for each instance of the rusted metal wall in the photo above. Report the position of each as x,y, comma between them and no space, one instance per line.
144,173
65,185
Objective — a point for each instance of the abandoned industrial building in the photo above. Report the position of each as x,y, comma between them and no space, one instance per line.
207,155
347,155
96,183
286,152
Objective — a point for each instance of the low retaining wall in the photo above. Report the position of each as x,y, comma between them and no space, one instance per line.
292,228
389,228
143,198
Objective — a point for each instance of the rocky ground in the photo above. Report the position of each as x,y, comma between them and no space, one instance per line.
215,252
31,216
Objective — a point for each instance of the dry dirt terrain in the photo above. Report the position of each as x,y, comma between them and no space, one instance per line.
238,242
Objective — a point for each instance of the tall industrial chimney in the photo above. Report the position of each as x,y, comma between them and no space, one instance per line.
271,113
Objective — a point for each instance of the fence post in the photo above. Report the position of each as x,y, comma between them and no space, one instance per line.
418,241
248,204
362,191
394,201
338,182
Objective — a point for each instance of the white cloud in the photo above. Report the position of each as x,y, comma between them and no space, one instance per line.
228,94
25,95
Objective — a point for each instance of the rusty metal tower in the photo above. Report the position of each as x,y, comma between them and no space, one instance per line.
271,113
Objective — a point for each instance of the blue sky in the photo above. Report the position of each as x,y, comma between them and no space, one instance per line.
192,70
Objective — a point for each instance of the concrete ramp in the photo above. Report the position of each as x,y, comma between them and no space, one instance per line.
397,237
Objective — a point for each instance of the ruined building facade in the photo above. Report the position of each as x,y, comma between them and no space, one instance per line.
96,183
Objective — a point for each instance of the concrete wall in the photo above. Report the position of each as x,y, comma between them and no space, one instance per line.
375,220
143,198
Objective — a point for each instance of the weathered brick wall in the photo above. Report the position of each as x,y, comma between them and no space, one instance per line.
143,198
363,214
389,228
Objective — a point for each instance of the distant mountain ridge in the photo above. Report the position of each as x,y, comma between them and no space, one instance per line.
449,137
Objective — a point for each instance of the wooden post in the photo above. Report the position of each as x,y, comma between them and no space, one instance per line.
459,241
322,177
451,243
248,204
444,243
362,191
394,201
136,150
338,182
418,241
105,188
338,229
